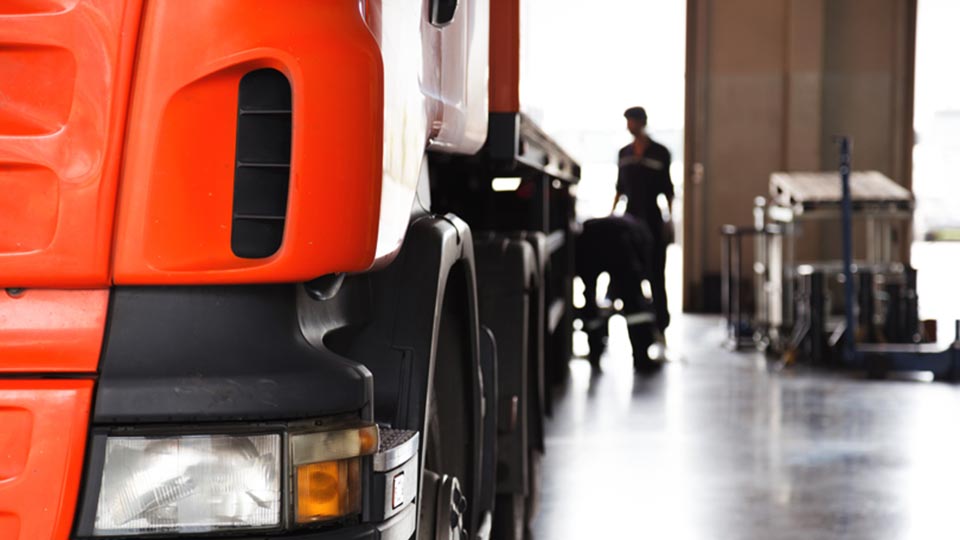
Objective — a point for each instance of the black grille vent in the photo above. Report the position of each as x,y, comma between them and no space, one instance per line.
261,178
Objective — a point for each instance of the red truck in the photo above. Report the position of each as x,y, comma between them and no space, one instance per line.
257,281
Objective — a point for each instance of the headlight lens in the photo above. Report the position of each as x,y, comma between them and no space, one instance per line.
189,484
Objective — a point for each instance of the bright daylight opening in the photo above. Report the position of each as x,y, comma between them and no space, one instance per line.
936,161
624,53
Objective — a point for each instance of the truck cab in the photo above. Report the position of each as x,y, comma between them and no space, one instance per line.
243,252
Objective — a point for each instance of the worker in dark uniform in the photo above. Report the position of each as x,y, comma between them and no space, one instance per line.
622,247
645,176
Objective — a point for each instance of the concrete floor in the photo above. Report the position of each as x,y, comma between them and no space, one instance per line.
721,446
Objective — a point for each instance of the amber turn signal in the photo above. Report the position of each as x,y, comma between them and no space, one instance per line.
328,483
328,490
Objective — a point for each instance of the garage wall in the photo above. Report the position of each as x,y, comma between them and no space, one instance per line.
769,85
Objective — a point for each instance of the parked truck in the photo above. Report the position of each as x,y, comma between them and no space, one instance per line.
257,279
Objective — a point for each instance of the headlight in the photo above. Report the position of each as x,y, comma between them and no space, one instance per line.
189,484
213,483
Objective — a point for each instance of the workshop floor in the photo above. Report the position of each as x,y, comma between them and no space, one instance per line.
723,446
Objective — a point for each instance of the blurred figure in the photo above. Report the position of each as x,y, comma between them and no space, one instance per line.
644,176
622,247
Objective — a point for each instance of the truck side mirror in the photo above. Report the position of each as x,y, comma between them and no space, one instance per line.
442,12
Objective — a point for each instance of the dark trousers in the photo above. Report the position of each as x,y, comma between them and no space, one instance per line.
636,310
658,283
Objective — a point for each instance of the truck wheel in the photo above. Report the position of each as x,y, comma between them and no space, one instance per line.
443,504
449,446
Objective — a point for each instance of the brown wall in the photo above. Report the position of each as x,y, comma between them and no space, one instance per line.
769,85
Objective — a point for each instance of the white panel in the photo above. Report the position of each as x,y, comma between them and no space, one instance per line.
435,94
397,26
464,76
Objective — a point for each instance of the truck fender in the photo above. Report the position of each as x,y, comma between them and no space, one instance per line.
390,320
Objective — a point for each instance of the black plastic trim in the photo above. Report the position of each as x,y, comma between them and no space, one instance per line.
517,146
20,375
262,168
399,308
507,274
491,397
219,354
442,12
90,489
353,532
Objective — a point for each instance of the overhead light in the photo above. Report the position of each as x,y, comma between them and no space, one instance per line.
506,183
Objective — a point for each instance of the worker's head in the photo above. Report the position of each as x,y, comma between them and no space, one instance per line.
636,120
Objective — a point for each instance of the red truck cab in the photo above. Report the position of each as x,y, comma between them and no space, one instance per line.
234,301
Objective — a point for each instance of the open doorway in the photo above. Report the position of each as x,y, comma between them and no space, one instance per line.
936,159
582,65
937,121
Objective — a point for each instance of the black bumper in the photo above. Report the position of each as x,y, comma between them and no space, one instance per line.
219,354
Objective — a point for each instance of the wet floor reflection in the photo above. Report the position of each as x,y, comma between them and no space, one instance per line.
719,446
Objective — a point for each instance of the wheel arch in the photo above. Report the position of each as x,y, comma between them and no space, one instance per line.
391,320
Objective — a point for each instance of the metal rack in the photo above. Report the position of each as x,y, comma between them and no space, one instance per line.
793,302
799,197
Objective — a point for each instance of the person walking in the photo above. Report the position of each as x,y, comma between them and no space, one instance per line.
644,175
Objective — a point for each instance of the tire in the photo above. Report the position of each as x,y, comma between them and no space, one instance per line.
450,445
